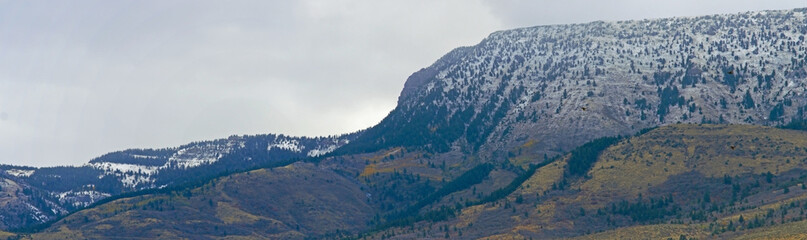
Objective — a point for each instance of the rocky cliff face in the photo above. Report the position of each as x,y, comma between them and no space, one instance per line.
559,86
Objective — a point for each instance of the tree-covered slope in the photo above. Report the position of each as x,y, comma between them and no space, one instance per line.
293,202
691,180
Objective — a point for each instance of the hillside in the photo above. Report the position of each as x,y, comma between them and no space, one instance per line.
674,180
291,202
47,193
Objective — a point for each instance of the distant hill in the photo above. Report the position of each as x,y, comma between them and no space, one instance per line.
288,202
47,193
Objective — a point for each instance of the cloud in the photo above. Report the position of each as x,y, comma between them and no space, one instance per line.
79,79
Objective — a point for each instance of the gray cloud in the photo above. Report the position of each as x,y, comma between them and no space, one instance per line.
82,78
79,79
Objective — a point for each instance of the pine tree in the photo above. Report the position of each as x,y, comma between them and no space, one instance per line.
748,101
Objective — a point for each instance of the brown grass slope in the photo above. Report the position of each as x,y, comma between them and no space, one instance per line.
293,202
707,175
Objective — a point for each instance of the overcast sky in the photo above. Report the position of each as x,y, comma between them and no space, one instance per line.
82,78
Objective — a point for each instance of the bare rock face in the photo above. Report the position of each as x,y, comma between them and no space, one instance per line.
419,79
562,85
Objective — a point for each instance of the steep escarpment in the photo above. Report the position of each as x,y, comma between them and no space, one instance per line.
562,85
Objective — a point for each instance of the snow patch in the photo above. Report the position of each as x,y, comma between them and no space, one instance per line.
321,151
20,172
81,198
135,180
36,213
286,144
111,168
131,175
144,156
201,154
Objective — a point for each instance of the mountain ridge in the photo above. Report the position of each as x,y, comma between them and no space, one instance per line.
564,80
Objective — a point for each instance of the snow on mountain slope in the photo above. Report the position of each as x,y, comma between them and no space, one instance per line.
203,153
81,198
20,172
49,192
109,167
562,85
286,144
132,173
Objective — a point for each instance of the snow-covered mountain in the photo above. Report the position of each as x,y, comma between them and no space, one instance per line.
46,193
556,87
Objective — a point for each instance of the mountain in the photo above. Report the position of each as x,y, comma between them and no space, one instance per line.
37,195
562,85
520,136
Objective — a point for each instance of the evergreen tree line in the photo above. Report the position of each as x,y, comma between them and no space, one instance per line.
583,158
645,211
446,212
469,178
